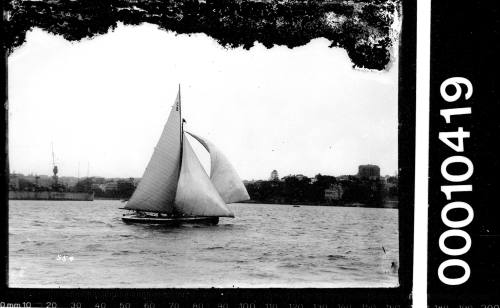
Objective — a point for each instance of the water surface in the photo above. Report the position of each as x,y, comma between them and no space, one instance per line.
264,246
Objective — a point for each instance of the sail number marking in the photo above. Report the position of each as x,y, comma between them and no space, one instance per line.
454,139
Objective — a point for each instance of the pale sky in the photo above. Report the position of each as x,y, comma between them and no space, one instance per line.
103,103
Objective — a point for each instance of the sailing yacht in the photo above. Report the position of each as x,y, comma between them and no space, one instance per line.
175,189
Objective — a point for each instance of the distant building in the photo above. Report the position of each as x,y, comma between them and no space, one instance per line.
274,176
258,183
13,182
344,178
98,180
334,193
300,177
370,172
68,180
111,186
390,181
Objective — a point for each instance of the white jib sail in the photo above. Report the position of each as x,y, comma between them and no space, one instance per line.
196,195
223,175
157,188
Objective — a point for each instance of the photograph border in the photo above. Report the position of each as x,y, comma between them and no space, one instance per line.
355,297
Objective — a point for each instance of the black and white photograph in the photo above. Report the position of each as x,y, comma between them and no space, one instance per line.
204,144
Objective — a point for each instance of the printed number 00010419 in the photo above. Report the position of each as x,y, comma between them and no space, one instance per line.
458,179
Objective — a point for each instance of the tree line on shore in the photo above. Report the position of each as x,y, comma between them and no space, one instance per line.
304,190
123,189
293,189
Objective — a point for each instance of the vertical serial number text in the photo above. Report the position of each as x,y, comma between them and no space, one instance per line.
457,183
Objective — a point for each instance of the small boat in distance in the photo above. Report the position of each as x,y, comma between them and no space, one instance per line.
175,189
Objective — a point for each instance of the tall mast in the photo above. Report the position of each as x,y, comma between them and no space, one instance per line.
182,124
54,167
180,113
182,120
53,160
182,136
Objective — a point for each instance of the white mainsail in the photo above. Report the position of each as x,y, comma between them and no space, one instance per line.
196,195
157,188
223,175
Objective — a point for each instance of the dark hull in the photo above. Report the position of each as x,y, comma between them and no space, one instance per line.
170,221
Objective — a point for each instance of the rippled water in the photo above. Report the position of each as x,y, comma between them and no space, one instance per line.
264,246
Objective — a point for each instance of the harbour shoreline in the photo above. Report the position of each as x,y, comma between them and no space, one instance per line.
393,204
